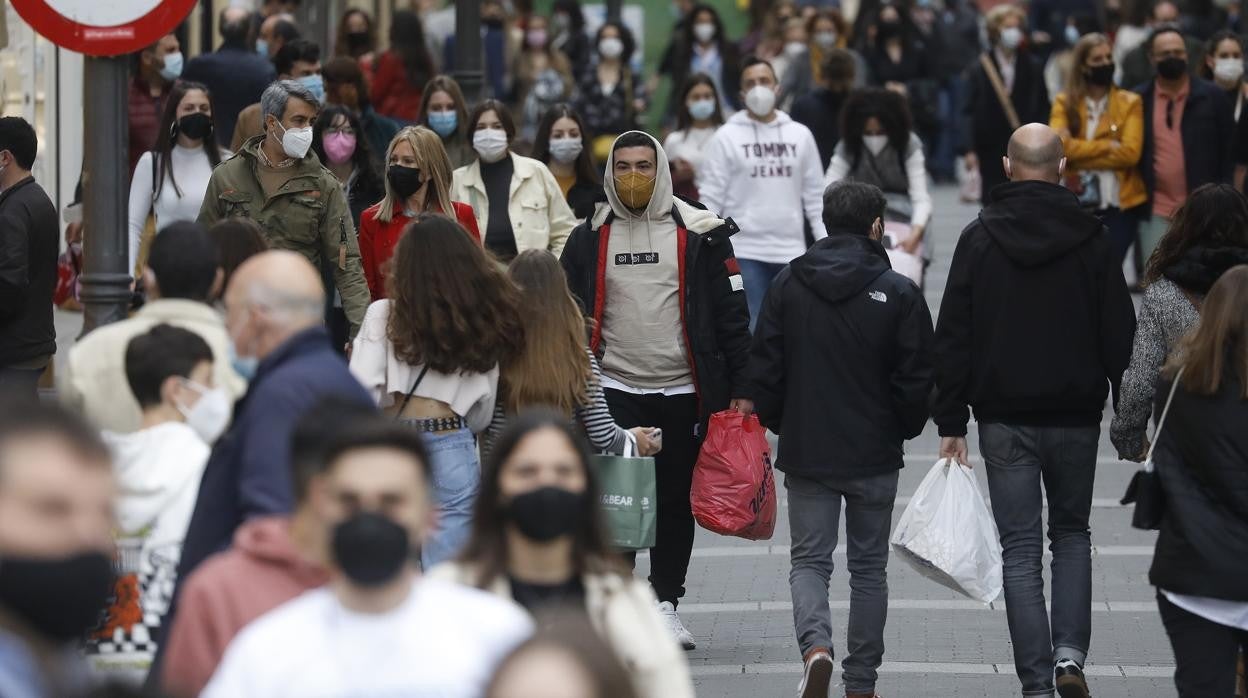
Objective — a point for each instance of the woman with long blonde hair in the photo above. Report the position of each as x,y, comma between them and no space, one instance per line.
418,180
555,369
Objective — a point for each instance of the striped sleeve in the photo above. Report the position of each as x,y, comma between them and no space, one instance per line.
604,435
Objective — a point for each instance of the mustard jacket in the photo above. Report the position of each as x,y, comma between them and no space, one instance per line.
1123,122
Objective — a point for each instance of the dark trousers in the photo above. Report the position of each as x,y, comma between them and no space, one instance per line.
1123,226
677,416
1019,459
1205,652
19,384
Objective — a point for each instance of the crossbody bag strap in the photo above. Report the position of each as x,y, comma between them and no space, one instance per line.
1161,423
998,86
407,398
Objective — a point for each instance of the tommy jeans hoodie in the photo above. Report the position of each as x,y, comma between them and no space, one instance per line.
768,178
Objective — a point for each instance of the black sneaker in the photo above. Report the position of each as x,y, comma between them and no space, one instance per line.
1070,680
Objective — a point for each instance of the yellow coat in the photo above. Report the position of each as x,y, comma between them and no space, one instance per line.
1123,122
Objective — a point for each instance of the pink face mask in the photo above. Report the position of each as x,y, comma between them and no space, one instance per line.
339,147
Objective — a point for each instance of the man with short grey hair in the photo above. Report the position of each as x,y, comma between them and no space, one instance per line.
841,369
277,181
1035,329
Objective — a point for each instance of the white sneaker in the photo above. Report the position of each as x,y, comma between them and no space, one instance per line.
678,630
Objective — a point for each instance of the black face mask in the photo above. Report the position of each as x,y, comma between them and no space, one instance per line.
546,513
195,126
357,41
62,598
1172,68
1101,75
405,180
888,30
370,548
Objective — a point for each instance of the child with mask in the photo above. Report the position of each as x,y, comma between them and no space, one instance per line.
158,468
539,539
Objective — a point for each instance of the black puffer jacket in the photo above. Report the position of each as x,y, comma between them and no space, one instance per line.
1202,458
841,366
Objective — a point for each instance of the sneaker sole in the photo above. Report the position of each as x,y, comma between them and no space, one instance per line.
1072,688
818,679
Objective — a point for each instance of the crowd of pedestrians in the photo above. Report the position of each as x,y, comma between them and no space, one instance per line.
346,442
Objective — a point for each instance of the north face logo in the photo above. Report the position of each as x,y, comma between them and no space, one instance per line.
878,296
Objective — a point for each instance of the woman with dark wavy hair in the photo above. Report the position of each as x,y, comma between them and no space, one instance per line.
429,355
1209,234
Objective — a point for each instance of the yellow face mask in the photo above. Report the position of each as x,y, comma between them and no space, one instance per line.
634,189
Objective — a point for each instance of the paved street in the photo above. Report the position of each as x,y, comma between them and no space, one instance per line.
939,643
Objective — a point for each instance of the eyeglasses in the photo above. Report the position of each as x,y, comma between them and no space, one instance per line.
345,130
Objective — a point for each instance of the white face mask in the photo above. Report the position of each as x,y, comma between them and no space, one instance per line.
825,40
296,141
611,47
760,100
793,49
490,144
1228,69
704,32
875,144
211,413
565,150
1011,38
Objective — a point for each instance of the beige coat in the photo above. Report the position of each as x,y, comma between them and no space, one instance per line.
94,378
623,611
540,216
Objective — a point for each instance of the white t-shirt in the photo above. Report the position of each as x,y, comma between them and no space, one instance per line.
192,171
444,641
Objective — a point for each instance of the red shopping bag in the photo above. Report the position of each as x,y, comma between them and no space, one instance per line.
734,490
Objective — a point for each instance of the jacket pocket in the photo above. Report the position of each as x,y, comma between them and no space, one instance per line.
302,219
532,226
234,204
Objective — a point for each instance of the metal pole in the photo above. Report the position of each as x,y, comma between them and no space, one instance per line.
469,57
106,249
615,10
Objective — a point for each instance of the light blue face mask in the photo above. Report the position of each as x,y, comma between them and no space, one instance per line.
443,123
244,366
315,85
172,68
701,109
262,47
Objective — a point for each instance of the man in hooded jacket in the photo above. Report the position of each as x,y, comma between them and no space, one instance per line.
1035,328
671,330
841,369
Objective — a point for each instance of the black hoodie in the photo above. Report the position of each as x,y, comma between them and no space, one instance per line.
1036,322
841,365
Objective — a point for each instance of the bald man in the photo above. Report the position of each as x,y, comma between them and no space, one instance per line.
1035,330
273,311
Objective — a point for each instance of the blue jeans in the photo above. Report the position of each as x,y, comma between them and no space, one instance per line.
456,478
945,150
757,277
1018,459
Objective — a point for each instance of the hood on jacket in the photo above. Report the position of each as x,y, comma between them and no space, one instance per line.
1199,267
696,220
153,467
840,266
267,539
1036,222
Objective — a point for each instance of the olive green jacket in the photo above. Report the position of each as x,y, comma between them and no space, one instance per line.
308,215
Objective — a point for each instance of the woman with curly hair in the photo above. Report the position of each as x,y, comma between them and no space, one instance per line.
1209,234
429,356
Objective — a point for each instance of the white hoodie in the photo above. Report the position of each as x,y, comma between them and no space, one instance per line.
158,471
769,179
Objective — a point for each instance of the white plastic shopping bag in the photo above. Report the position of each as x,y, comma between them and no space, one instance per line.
947,533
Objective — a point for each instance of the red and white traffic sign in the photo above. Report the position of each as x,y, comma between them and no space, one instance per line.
103,27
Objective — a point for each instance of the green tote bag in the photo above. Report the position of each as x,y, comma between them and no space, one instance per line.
629,498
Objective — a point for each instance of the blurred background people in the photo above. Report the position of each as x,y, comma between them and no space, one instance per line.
444,111
234,72
567,29
403,69
563,145
517,201
539,539
820,109
357,38
613,95
1137,64
1224,65
298,61
346,86
541,77
698,116
564,659
701,46
237,240
155,70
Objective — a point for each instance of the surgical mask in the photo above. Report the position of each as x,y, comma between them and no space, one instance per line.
172,69
370,548
339,147
443,123
704,32
825,40
244,366
262,47
315,84
1011,38
210,415
611,47
59,597
1172,68
536,38
566,150
702,109
296,141
793,49
405,180
195,126
634,189
1101,75
875,144
490,144
546,513
1072,34
760,100
1228,69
